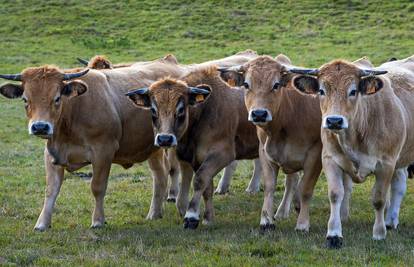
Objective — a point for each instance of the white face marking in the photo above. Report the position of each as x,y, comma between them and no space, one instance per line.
191,214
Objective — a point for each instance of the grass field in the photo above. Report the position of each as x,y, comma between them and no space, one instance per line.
309,32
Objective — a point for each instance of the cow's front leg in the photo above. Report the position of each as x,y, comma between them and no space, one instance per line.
174,172
224,183
208,201
54,178
311,170
379,194
254,184
291,184
270,172
160,181
347,198
101,166
186,177
334,176
398,189
213,163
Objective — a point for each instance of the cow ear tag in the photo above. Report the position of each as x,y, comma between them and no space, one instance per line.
232,82
370,90
199,98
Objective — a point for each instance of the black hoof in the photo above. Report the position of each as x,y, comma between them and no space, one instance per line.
191,223
267,228
172,200
297,209
334,242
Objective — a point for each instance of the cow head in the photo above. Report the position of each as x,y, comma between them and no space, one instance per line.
263,79
44,91
169,101
97,62
340,85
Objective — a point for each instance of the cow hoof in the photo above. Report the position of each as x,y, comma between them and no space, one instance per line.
252,191
334,242
297,209
191,223
267,227
41,228
391,227
171,199
97,225
220,191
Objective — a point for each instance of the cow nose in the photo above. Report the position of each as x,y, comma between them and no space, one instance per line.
259,115
334,123
165,140
40,128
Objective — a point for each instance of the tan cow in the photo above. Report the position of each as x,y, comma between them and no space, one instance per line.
86,119
102,62
367,115
288,125
193,115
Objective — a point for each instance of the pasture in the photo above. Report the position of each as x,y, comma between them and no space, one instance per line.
309,32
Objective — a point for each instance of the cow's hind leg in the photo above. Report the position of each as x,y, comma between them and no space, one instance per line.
54,178
311,170
291,184
254,185
224,183
101,166
174,174
398,189
160,180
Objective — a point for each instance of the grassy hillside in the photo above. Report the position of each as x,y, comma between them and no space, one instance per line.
309,32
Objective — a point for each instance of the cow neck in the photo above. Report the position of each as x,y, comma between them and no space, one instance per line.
63,128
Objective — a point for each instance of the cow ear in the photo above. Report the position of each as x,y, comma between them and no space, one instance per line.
306,84
198,94
74,88
232,76
11,90
140,97
370,85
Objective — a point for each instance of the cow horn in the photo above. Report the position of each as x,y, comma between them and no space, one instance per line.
82,61
13,77
364,73
238,68
312,72
140,91
70,76
196,90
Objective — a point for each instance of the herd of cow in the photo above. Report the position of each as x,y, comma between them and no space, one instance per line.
350,118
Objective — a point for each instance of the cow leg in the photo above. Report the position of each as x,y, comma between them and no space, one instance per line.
334,176
291,184
398,189
186,177
54,178
101,166
311,170
159,185
254,185
347,198
174,173
223,186
379,195
270,172
208,201
202,179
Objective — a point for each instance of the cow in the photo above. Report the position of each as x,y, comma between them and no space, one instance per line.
86,119
367,114
288,127
193,116
102,62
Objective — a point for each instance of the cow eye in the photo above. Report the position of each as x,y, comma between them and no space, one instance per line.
24,100
321,92
246,85
57,100
352,93
180,110
275,86
153,112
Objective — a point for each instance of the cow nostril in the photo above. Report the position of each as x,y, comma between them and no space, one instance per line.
165,140
259,115
40,128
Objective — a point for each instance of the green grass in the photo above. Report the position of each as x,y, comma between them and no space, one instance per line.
309,32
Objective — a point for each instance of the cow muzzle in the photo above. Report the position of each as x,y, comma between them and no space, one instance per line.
42,129
165,140
260,116
335,122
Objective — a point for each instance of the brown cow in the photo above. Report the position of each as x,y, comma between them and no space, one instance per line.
186,114
86,119
288,125
366,118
